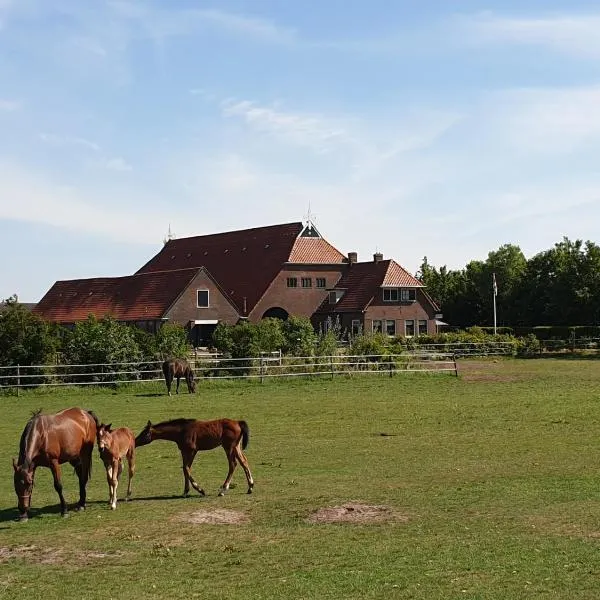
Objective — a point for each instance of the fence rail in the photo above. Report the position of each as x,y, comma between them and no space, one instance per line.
219,367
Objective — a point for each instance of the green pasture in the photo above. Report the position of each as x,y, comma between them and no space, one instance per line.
491,482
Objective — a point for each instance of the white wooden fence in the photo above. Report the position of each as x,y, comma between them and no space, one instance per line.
219,367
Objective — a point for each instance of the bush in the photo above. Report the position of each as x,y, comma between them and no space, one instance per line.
299,336
528,346
171,342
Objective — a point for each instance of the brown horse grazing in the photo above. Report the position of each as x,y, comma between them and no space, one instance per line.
192,436
178,368
113,446
49,441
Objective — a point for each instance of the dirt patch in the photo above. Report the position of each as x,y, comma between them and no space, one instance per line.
218,516
51,556
492,370
356,513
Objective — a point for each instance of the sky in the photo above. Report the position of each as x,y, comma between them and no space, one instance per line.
439,129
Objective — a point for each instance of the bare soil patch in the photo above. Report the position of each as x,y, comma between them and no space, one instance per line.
492,371
217,516
356,513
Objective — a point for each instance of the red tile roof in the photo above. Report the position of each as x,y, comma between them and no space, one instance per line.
315,250
140,297
362,282
244,262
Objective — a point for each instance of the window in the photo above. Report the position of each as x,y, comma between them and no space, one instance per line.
292,282
377,326
422,327
356,327
202,297
390,327
390,294
408,295
306,282
333,298
409,327
321,282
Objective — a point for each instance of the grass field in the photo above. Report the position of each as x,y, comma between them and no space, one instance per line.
490,480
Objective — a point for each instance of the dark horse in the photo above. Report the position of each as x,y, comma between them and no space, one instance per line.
192,436
48,441
178,368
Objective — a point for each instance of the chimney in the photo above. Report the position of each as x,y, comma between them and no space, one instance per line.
377,257
352,257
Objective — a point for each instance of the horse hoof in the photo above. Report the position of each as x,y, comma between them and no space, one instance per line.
23,518
202,493
113,506
249,490
65,515
79,508
222,493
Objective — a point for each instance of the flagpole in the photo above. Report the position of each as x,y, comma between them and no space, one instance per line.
494,293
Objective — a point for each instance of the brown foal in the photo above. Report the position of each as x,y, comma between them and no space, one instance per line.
193,436
113,446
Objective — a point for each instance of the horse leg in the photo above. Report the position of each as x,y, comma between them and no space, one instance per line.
168,381
177,389
131,470
85,467
55,467
188,458
244,462
109,479
230,452
116,469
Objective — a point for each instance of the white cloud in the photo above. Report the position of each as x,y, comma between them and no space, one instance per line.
118,164
551,120
310,130
66,140
161,23
575,34
9,105
28,196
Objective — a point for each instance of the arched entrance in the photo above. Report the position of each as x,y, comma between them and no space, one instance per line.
276,312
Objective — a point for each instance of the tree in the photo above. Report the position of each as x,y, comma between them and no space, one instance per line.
25,339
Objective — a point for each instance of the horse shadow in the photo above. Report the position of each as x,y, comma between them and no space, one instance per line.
150,395
10,514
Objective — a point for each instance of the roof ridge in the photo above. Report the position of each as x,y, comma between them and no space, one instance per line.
223,233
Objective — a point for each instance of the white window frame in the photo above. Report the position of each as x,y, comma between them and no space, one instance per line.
406,321
289,282
306,280
380,330
406,293
392,295
356,324
321,280
386,321
198,305
419,332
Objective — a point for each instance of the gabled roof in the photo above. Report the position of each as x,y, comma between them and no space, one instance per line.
140,297
362,282
244,262
314,250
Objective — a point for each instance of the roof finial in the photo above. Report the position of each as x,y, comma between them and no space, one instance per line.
170,235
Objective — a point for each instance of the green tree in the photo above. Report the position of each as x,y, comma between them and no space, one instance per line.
172,342
299,336
25,339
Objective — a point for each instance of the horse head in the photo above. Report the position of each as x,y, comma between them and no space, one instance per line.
103,435
145,436
23,478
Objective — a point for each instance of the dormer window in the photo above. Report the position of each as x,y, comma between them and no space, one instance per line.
399,294
335,296
202,298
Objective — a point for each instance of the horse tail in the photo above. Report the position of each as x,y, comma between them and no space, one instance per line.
245,433
97,422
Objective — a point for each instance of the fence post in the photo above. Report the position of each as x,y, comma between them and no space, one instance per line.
455,365
331,365
390,366
262,372
18,379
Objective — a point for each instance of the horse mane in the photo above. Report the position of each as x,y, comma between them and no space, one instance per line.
25,436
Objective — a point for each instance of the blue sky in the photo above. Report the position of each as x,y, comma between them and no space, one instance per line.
442,128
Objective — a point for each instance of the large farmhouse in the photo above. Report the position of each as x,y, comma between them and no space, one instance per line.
272,271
